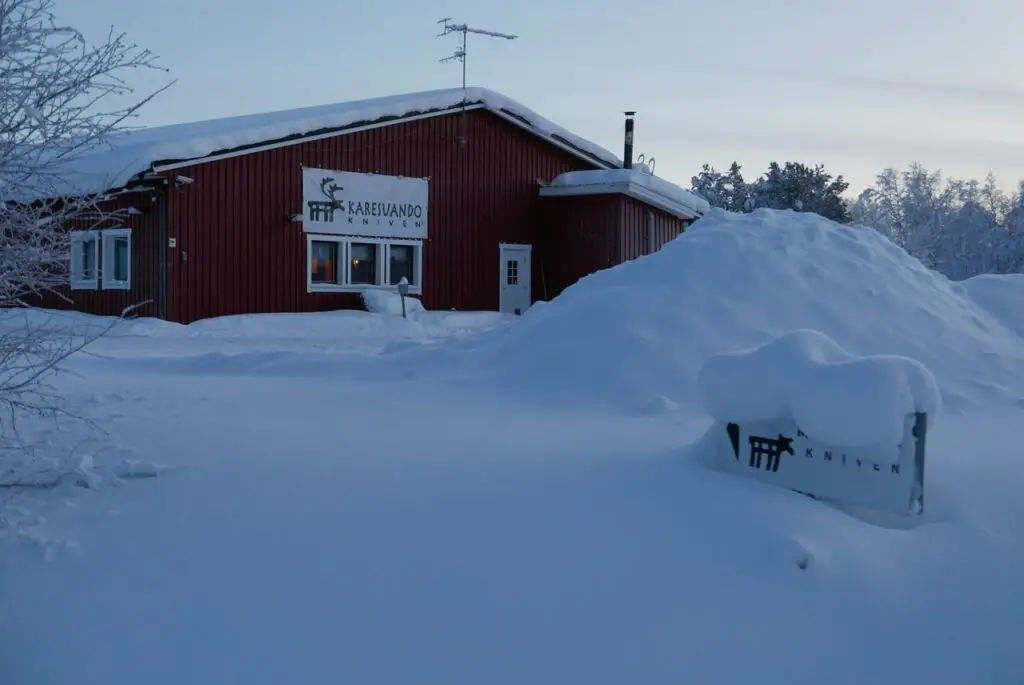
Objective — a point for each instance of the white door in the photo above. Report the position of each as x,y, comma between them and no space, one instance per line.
514,278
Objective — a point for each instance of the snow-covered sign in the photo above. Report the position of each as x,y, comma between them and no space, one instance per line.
781,454
350,203
803,413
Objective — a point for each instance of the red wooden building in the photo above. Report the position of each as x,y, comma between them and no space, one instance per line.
479,202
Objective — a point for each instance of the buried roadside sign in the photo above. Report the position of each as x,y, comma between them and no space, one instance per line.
778,452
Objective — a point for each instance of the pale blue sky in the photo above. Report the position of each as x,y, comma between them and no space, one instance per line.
855,85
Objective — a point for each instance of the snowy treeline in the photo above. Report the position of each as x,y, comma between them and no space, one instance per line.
793,186
959,228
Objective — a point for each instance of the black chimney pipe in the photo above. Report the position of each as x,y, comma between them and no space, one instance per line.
627,156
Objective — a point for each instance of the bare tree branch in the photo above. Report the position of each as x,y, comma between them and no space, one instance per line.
53,86
59,101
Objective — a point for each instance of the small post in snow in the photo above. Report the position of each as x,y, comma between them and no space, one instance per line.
403,290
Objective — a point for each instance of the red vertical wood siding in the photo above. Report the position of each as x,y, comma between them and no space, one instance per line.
582,237
144,281
635,242
587,233
238,253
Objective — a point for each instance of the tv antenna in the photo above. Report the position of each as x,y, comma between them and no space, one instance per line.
460,52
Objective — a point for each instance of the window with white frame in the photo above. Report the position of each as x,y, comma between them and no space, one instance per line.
85,260
116,273
101,259
402,263
353,264
325,259
363,264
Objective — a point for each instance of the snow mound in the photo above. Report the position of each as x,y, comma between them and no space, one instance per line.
834,397
67,323
386,302
643,329
1001,295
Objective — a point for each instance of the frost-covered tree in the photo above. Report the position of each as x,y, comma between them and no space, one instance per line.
1009,247
710,185
793,186
802,188
966,245
57,96
736,187
959,228
60,97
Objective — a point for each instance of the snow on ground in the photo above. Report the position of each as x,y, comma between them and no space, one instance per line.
254,343
1001,295
353,497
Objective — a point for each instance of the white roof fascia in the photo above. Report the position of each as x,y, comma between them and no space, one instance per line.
630,189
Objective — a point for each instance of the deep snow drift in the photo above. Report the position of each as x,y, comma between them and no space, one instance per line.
1001,295
636,335
834,397
350,497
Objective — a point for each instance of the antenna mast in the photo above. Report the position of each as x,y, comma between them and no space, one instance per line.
460,52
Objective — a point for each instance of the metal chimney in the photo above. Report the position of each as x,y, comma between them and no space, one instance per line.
627,155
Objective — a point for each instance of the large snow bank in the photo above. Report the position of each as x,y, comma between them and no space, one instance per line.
640,331
834,397
1001,295
345,526
130,153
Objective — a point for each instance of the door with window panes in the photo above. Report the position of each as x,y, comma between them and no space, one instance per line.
514,278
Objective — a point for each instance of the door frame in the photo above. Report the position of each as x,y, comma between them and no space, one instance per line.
514,248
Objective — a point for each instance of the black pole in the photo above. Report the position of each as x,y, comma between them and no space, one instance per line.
465,35
627,156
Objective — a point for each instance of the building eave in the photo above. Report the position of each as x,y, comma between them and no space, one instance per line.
160,166
627,188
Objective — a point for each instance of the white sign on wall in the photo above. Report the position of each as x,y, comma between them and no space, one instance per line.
350,203
781,454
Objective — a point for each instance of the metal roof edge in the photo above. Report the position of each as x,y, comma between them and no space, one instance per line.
628,188
297,139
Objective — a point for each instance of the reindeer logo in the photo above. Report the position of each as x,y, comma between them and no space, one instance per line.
323,210
771,448
760,448
328,187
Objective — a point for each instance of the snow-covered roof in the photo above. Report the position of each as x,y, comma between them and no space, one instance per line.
127,155
638,183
